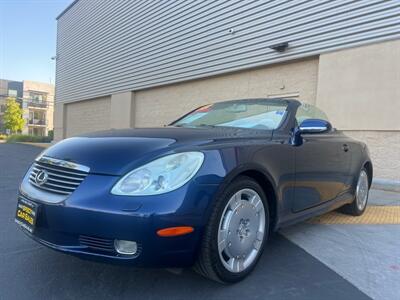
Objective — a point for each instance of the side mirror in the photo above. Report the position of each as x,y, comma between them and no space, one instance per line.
314,126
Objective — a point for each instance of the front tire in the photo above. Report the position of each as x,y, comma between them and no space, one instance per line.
235,236
359,204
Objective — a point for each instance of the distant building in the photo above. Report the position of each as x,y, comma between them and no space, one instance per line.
36,100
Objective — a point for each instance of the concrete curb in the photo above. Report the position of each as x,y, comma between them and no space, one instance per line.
386,185
41,145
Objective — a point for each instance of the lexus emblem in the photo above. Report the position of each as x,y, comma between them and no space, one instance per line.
41,177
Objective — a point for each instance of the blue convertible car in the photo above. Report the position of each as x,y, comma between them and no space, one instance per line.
207,190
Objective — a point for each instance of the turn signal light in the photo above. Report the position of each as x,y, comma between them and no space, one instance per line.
175,231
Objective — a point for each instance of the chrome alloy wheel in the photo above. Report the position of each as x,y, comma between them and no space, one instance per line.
241,230
362,190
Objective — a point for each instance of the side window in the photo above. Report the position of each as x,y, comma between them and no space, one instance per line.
307,111
13,93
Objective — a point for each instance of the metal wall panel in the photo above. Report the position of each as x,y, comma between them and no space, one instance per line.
106,46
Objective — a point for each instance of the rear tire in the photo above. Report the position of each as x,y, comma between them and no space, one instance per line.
236,233
359,204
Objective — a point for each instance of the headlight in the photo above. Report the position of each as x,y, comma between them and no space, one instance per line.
161,175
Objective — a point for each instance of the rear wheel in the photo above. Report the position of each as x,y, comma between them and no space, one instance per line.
234,238
358,206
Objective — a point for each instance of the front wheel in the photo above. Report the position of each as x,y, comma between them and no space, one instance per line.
358,206
234,238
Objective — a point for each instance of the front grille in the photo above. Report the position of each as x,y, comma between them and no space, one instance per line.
97,243
60,180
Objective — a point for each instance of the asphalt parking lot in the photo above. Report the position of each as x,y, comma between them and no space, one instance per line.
298,263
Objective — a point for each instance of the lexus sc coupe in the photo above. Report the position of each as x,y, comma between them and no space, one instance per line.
205,191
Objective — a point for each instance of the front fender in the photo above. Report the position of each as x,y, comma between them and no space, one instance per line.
225,165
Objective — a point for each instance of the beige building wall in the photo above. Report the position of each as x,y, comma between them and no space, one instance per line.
122,110
384,147
359,88
86,116
160,106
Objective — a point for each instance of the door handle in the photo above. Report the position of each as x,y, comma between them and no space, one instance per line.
345,147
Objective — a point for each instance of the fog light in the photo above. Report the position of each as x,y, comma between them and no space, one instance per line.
125,247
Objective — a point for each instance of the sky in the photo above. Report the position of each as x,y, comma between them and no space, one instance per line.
28,31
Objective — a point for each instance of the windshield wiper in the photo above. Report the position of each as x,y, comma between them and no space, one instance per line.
205,125
186,125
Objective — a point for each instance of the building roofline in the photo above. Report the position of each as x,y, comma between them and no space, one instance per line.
66,9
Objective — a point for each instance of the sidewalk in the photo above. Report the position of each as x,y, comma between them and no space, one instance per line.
365,254
40,145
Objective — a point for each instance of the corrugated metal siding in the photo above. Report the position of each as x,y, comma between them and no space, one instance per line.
105,46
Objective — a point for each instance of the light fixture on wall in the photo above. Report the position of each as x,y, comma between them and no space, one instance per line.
281,47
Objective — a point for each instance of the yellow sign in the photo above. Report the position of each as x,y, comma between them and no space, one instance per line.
24,215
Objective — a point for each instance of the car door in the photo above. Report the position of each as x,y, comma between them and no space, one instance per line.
321,163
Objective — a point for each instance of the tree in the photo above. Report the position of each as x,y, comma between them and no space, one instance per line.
13,119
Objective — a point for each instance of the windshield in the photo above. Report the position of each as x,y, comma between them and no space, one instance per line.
254,114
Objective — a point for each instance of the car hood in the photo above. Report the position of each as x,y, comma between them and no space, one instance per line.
115,152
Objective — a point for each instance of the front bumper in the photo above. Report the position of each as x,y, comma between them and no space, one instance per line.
90,219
